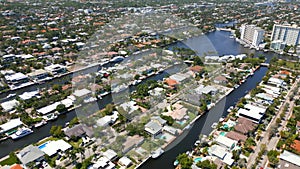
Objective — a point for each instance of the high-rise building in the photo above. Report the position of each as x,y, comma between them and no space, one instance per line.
252,34
290,35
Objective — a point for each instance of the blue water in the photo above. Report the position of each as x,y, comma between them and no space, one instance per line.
180,122
223,133
43,146
196,160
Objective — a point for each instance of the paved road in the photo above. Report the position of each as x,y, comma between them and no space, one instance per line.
271,144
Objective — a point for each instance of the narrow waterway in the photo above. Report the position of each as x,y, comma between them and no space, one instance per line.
203,124
223,45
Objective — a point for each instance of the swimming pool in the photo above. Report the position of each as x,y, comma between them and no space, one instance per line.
197,159
43,146
223,133
180,122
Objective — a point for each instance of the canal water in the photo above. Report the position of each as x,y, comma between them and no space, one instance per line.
223,45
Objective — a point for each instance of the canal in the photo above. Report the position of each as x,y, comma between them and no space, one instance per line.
223,45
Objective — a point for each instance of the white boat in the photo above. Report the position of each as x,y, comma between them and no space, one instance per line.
117,59
10,95
43,122
229,109
157,153
104,94
51,116
214,125
135,82
21,133
90,99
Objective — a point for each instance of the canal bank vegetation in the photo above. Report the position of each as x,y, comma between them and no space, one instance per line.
267,97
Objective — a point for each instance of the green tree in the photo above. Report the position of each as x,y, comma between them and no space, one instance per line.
61,108
56,131
206,165
184,161
272,156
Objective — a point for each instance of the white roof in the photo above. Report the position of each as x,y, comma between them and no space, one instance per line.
101,163
28,95
110,154
16,76
49,108
218,151
52,147
125,161
275,81
104,121
290,157
67,102
9,105
179,77
228,159
255,108
81,92
225,141
265,96
252,114
13,123
129,106
23,56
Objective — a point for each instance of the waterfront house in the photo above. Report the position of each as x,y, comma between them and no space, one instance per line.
266,97
236,136
125,162
79,130
153,128
28,95
56,69
220,80
110,154
9,105
221,153
244,125
171,83
171,130
82,93
276,82
226,142
131,142
251,112
53,147
10,125
39,74
16,79
30,155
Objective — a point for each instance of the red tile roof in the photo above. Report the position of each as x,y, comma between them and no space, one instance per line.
196,68
16,166
171,82
296,145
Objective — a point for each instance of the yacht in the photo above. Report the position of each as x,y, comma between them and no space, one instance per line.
43,122
51,116
117,59
157,153
21,133
175,163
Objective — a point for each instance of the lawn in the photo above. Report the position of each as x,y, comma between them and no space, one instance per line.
45,140
12,159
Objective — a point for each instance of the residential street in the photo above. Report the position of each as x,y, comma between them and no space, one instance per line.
271,144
